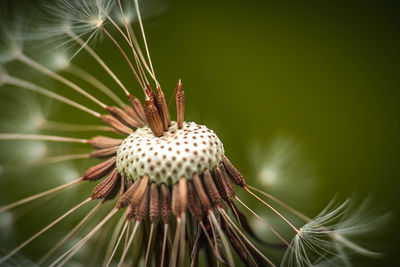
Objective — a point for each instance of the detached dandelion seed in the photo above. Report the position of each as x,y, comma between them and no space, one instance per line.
170,185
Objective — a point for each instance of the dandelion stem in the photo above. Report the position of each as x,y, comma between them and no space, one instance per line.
68,236
44,161
174,252
245,238
117,244
148,245
144,39
223,239
164,244
294,211
125,56
129,41
269,226
38,89
182,241
18,136
35,65
42,231
121,262
76,247
31,198
274,210
87,77
69,127
56,159
114,235
139,51
92,53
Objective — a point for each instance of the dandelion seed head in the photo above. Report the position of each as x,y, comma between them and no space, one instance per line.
179,153
11,44
148,8
6,221
66,172
80,17
281,167
59,61
327,236
27,114
35,151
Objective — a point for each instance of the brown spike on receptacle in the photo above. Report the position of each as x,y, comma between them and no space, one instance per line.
163,109
102,142
221,184
100,170
137,108
233,173
125,199
194,204
228,181
107,186
205,202
118,126
165,203
211,188
140,191
175,207
153,118
154,202
143,209
123,117
131,112
180,105
104,153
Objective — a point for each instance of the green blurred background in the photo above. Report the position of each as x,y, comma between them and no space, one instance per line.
323,72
